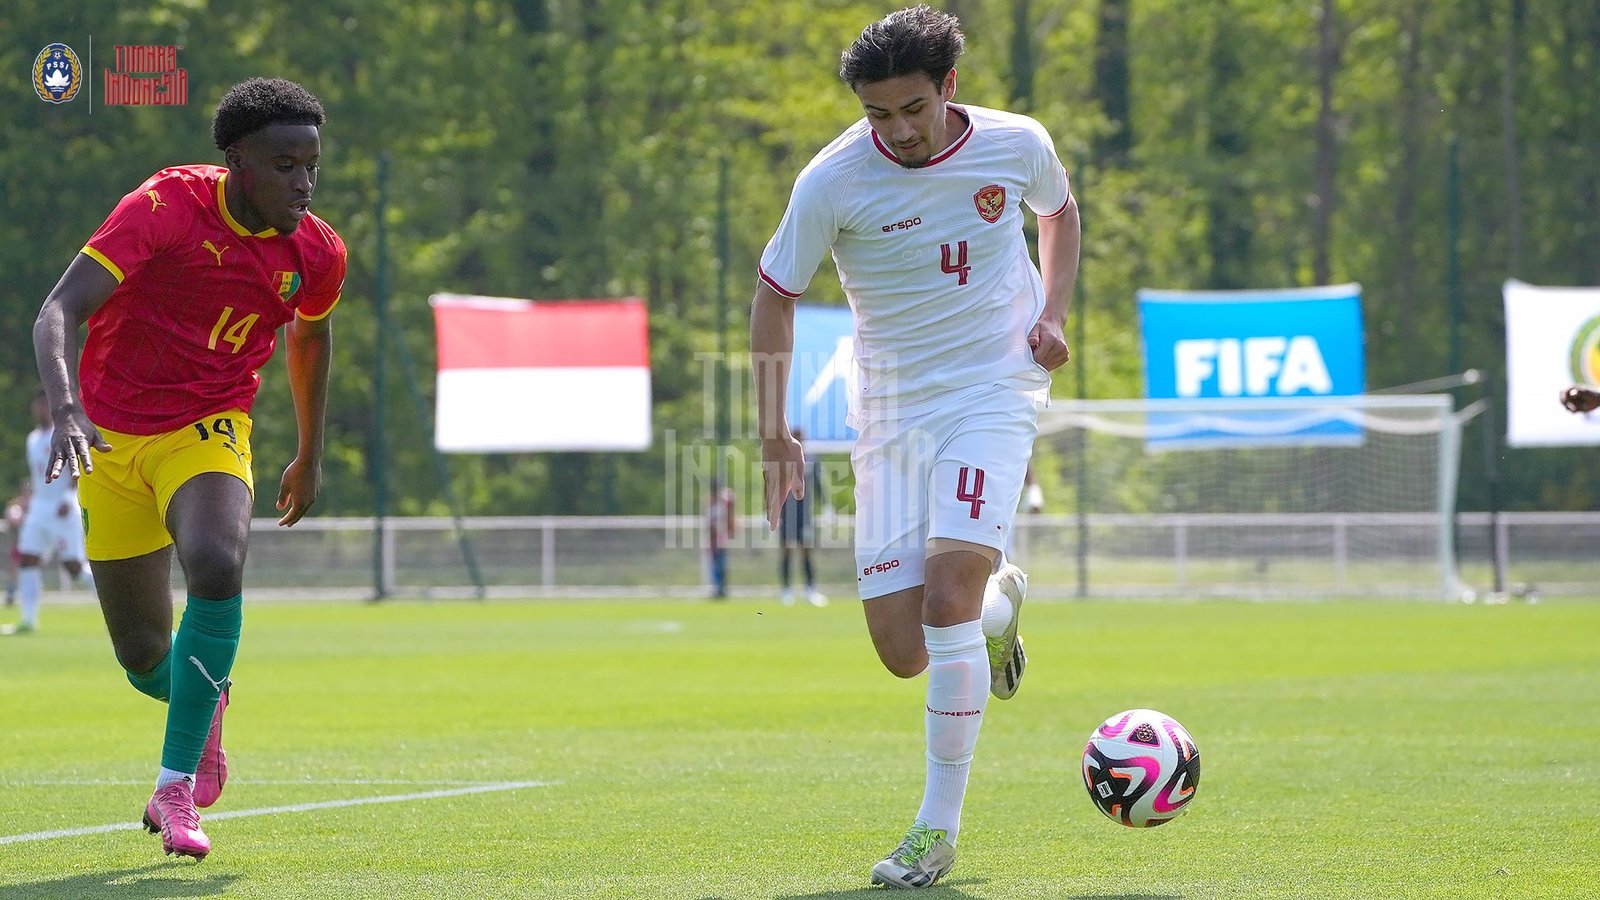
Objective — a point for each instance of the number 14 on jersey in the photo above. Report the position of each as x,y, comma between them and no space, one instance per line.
240,329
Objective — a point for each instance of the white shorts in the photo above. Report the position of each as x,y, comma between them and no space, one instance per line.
45,534
955,472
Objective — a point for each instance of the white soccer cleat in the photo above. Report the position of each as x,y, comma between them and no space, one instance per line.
1006,659
922,858
816,598
788,597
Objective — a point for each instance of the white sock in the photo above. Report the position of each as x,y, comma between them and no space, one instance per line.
170,776
30,584
996,609
958,693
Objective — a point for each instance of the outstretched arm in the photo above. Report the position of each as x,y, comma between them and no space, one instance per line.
83,289
309,345
1059,237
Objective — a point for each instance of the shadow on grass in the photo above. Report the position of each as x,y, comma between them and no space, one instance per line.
949,889
152,882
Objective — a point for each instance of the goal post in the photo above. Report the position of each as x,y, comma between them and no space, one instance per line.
1348,496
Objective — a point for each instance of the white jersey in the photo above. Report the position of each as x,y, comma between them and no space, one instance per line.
47,495
933,259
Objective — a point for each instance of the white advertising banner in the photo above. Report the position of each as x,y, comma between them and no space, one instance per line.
1552,342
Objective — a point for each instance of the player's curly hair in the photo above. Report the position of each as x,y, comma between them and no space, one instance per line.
918,39
252,105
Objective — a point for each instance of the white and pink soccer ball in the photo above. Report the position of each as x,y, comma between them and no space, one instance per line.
1141,768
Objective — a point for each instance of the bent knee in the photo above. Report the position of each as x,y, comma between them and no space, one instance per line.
905,665
141,653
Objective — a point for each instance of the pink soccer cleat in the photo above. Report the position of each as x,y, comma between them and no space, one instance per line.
212,773
171,811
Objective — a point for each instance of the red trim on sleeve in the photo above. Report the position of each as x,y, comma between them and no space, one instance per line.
792,295
1058,212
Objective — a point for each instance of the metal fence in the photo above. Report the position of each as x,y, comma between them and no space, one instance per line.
1253,555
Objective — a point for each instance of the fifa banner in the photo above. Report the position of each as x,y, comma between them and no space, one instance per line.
822,376
1242,345
522,375
1552,343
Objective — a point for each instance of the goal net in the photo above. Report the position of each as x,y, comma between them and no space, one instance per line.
1260,498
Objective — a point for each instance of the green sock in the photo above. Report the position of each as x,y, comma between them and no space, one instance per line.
157,682
202,653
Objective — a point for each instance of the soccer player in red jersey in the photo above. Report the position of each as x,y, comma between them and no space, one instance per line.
184,288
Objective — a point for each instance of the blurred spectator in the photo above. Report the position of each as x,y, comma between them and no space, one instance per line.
720,521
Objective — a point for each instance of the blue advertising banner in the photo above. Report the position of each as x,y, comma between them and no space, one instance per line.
821,375
1240,345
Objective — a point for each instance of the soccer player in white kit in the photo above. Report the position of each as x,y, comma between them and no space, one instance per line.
956,332
53,524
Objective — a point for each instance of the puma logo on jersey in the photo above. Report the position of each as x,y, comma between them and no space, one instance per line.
155,200
903,224
215,250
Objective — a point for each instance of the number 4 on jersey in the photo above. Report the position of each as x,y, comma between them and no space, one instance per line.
953,260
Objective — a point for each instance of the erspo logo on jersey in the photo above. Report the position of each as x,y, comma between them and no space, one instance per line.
57,74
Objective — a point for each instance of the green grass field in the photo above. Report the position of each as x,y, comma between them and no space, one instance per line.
685,749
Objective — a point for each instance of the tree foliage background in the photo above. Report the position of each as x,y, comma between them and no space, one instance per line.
553,149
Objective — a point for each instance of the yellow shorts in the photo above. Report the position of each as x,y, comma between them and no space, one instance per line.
125,498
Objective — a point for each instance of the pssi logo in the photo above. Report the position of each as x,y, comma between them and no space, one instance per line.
991,202
1584,356
880,568
1252,367
57,74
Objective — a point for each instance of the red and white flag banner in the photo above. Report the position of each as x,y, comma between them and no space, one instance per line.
522,375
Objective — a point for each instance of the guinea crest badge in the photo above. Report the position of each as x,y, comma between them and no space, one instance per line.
288,283
991,202
57,74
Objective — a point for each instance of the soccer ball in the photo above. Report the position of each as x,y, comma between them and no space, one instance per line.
1141,768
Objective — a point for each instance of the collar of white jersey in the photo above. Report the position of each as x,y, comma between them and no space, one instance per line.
942,155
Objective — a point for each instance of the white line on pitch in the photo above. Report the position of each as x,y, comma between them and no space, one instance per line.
288,782
291,808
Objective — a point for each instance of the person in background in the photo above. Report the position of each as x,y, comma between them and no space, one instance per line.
795,532
53,524
720,523
16,508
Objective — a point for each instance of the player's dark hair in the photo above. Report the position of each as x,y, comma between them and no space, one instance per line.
258,103
918,39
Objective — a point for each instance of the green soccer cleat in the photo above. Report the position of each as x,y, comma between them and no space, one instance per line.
1006,659
921,859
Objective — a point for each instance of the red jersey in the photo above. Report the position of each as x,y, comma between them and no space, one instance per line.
198,303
